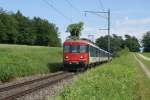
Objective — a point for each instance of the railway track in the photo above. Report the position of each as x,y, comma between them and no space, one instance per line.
14,91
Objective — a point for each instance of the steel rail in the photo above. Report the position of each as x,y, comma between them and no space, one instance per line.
6,88
49,80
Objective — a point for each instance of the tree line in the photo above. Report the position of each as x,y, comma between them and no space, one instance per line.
15,28
146,42
117,43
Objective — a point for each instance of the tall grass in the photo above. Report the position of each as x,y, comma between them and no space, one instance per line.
120,79
21,60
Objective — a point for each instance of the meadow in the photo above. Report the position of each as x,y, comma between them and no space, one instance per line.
21,60
121,79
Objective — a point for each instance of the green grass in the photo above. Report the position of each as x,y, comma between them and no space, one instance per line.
146,54
122,79
21,60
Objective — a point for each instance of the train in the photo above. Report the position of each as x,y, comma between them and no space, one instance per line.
83,54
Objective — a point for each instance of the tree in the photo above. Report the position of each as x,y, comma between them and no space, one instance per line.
2,35
146,42
75,30
102,42
132,43
8,32
116,43
47,33
25,33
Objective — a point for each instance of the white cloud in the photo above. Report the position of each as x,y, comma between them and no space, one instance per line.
136,22
134,27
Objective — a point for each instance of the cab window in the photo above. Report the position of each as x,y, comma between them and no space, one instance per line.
74,49
66,48
83,49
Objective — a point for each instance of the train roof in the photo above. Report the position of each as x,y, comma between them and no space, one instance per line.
80,41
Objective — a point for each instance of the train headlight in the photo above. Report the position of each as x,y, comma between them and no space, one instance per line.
66,57
81,57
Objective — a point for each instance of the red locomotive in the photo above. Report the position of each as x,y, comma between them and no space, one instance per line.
81,54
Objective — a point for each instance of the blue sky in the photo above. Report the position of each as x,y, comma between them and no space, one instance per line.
127,16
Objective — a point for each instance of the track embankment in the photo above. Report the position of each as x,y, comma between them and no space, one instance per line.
16,90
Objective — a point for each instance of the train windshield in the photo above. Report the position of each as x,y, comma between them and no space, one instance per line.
75,48
66,48
83,49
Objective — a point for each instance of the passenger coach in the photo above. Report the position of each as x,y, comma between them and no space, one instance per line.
81,54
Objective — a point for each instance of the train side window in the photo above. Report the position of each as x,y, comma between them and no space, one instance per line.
66,48
94,52
97,53
102,53
91,51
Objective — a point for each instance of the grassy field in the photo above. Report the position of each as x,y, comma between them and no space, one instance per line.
146,54
121,79
21,60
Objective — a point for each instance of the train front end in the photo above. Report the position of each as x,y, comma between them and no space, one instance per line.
75,55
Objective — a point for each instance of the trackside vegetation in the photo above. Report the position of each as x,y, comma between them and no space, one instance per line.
21,60
121,79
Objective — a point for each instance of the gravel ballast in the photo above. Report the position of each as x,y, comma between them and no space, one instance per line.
47,93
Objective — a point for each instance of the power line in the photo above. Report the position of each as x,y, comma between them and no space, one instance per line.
59,12
75,8
101,16
96,13
101,4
